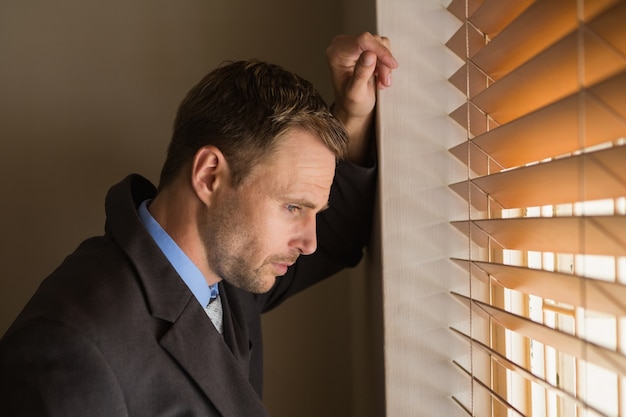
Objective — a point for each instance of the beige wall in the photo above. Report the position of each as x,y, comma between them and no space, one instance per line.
88,91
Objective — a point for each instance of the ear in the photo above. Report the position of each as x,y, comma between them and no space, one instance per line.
208,173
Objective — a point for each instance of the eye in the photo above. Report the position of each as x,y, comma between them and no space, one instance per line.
292,208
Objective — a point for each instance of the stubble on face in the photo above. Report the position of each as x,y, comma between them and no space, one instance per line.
231,246
248,235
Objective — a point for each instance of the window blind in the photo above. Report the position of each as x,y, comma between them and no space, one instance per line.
545,115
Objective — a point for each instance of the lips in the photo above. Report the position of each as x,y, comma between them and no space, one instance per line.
280,269
280,265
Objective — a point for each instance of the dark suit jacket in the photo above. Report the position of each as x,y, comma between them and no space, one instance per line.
114,331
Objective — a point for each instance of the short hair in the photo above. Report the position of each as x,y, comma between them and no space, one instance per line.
244,108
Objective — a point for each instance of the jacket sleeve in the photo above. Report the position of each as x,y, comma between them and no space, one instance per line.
343,230
47,369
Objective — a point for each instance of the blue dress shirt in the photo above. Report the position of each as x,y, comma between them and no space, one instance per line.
187,270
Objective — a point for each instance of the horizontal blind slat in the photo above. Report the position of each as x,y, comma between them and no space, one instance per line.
564,342
485,386
525,373
494,15
546,85
549,77
516,44
552,130
601,235
477,118
464,36
610,26
598,175
457,7
602,296
462,406
480,81
479,200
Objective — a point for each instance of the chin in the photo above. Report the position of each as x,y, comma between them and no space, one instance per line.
267,285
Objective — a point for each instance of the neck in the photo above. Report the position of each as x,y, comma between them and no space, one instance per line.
177,211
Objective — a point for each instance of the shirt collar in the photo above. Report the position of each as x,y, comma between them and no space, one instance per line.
187,270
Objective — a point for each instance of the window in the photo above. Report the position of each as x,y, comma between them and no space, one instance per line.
545,117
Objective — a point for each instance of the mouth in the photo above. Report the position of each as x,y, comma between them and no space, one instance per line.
280,268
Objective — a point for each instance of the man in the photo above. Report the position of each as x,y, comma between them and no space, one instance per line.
161,315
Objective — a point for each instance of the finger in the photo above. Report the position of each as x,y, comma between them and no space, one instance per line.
364,69
384,65
381,46
383,74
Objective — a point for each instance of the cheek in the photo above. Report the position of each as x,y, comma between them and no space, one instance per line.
278,229
260,231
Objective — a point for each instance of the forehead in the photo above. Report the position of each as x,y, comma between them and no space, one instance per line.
301,146
300,160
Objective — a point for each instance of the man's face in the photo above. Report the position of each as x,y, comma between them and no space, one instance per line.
253,233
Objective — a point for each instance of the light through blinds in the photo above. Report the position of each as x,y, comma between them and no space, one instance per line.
545,117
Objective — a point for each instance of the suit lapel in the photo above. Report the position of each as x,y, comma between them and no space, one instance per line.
192,340
235,331
202,352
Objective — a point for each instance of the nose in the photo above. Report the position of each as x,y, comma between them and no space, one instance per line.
307,241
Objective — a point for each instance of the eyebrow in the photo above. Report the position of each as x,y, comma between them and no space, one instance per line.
308,204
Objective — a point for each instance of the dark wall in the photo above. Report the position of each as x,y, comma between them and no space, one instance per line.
88,91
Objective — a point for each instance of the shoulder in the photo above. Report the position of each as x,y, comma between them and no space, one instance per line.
45,364
94,285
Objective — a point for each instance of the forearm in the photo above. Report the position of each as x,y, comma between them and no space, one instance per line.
361,132
360,66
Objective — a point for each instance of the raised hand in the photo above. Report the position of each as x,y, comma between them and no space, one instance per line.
359,65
